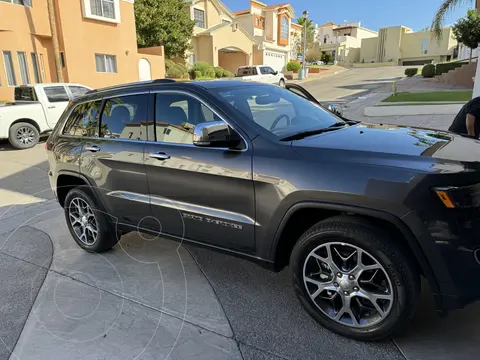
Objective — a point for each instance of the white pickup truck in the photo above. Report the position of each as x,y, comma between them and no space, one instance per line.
261,73
35,111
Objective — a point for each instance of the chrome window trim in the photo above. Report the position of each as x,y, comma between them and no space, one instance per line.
183,92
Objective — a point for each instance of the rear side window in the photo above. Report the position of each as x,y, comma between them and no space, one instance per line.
247,71
83,121
125,117
77,90
56,93
25,93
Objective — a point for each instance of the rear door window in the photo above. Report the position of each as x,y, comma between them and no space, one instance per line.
56,93
125,117
83,121
25,93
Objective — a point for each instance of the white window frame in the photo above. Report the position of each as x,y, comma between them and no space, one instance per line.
284,27
28,4
12,63
87,12
196,21
25,77
105,62
424,49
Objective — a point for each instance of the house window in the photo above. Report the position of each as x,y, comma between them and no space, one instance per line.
22,62
19,2
424,46
103,8
257,21
106,63
62,59
42,68
7,58
284,28
199,17
226,21
36,72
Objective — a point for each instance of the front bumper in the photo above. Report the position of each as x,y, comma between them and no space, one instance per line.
451,245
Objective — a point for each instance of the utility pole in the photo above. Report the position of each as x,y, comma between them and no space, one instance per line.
305,25
56,49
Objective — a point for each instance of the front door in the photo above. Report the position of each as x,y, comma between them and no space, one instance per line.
57,101
112,159
198,193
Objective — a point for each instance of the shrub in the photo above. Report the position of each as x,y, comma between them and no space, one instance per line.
174,72
169,64
428,71
182,67
293,66
446,67
197,74
227,73
218,72
327,58
209,73
201,66
411,72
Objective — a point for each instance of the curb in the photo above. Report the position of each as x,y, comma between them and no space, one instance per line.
412,110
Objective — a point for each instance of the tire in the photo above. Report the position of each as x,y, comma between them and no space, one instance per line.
23,135
281,83
106,236
347,236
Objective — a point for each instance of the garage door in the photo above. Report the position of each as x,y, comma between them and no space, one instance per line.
275,60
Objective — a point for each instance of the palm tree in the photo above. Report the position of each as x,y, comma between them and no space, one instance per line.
310,28
56,49
446,6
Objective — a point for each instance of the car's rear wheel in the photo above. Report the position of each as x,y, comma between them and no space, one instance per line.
90,227
354,279
23,135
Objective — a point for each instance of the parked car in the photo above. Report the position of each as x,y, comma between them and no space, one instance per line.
35,111
358,212
261,73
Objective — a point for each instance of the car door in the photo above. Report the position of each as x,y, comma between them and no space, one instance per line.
113,158
57,100
200,194
266,77
274,78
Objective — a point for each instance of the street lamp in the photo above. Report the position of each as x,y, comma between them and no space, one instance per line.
305,16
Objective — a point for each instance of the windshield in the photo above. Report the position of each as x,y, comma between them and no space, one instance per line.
278,110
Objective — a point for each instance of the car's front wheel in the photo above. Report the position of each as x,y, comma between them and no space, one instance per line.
281,83
354,278
90,227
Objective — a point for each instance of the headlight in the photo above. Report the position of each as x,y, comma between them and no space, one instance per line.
459,197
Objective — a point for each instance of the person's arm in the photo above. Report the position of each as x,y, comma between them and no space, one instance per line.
471,125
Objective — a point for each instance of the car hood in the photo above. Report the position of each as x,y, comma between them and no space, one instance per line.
396,140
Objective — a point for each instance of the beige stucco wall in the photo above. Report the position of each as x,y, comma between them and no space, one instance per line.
362,33
368,50
204,49
411,44
231,61
27,29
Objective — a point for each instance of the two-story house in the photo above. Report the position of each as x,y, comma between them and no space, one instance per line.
271,26
97,42
218,38
342,41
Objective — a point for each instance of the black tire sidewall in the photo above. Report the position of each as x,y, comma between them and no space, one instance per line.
281,83
394,263
107,236
12,135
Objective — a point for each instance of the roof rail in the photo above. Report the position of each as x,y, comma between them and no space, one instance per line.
156,81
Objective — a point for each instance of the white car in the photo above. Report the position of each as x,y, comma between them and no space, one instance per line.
261,73
36,110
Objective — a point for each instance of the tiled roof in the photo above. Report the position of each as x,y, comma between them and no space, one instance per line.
328,24
242,12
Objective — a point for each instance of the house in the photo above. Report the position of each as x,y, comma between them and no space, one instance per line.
342,41
97,42
476,88
218,38
273,30
402,46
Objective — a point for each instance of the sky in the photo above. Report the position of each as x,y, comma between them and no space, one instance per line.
373,14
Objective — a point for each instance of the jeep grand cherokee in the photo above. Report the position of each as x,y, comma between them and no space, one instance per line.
358,212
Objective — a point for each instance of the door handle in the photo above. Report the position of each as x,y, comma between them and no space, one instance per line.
92,148
52,107
160,156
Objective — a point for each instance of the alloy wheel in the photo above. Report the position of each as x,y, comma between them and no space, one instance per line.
348,284
25,135
83,221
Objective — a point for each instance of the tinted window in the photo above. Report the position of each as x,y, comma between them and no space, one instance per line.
25,93
247,71
264,70
125,118
83,120
176,116
56,93
278,110
77,90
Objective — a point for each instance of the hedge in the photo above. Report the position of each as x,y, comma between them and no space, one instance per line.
219,72
411,72
428,71
446,67
227,73
293,66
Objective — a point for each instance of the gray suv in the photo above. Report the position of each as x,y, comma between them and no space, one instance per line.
358,212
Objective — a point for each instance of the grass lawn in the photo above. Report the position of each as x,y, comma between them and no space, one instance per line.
431,96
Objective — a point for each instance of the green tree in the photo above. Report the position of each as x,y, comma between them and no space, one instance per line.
445,7
467,30
164,21
310,32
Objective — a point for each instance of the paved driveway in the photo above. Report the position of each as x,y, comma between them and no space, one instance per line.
150,298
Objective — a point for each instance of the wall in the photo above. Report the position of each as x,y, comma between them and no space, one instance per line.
365,33
411,44
232,60
368,50
271,25
156,58
205,49
377,64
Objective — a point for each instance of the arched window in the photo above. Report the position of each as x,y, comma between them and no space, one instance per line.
284,28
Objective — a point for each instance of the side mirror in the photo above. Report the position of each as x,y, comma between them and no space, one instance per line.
275,73
215,134
337,109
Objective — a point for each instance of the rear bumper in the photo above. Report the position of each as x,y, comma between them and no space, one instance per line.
451,246
53,185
